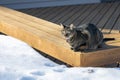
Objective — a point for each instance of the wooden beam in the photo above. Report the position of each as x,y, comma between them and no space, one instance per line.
101,57
40,41
46,37
31,18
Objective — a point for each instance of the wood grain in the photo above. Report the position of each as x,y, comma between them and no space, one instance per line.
45,36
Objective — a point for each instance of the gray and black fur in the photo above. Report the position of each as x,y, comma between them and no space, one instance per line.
83,37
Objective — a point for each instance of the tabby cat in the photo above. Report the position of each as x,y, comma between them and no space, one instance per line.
83,37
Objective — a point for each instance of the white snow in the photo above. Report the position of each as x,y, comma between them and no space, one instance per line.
18,61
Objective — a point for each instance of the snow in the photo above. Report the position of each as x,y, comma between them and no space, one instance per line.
18,61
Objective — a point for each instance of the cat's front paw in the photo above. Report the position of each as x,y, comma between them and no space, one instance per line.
75,50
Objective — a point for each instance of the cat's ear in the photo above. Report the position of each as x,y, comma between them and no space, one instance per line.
72,26
62,25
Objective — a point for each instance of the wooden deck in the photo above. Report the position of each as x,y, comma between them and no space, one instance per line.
46,36
104,15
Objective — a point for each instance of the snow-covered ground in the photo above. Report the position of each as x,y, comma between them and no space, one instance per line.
18,61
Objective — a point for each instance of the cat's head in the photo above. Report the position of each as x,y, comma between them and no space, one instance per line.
68,31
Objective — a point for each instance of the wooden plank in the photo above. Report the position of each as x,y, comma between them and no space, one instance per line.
115,35
40,11
117,43
55,19
69,14
31,11
50,12
56,13
99,15
107,30
85,15
66,12
32,18
37,42
110,24
37,11
38,32
47,12
36,39
106,16
92,14
46,37
99,57
102,57
35,25
117,25
77,14
26,10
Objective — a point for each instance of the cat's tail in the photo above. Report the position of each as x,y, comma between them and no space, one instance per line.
108,39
